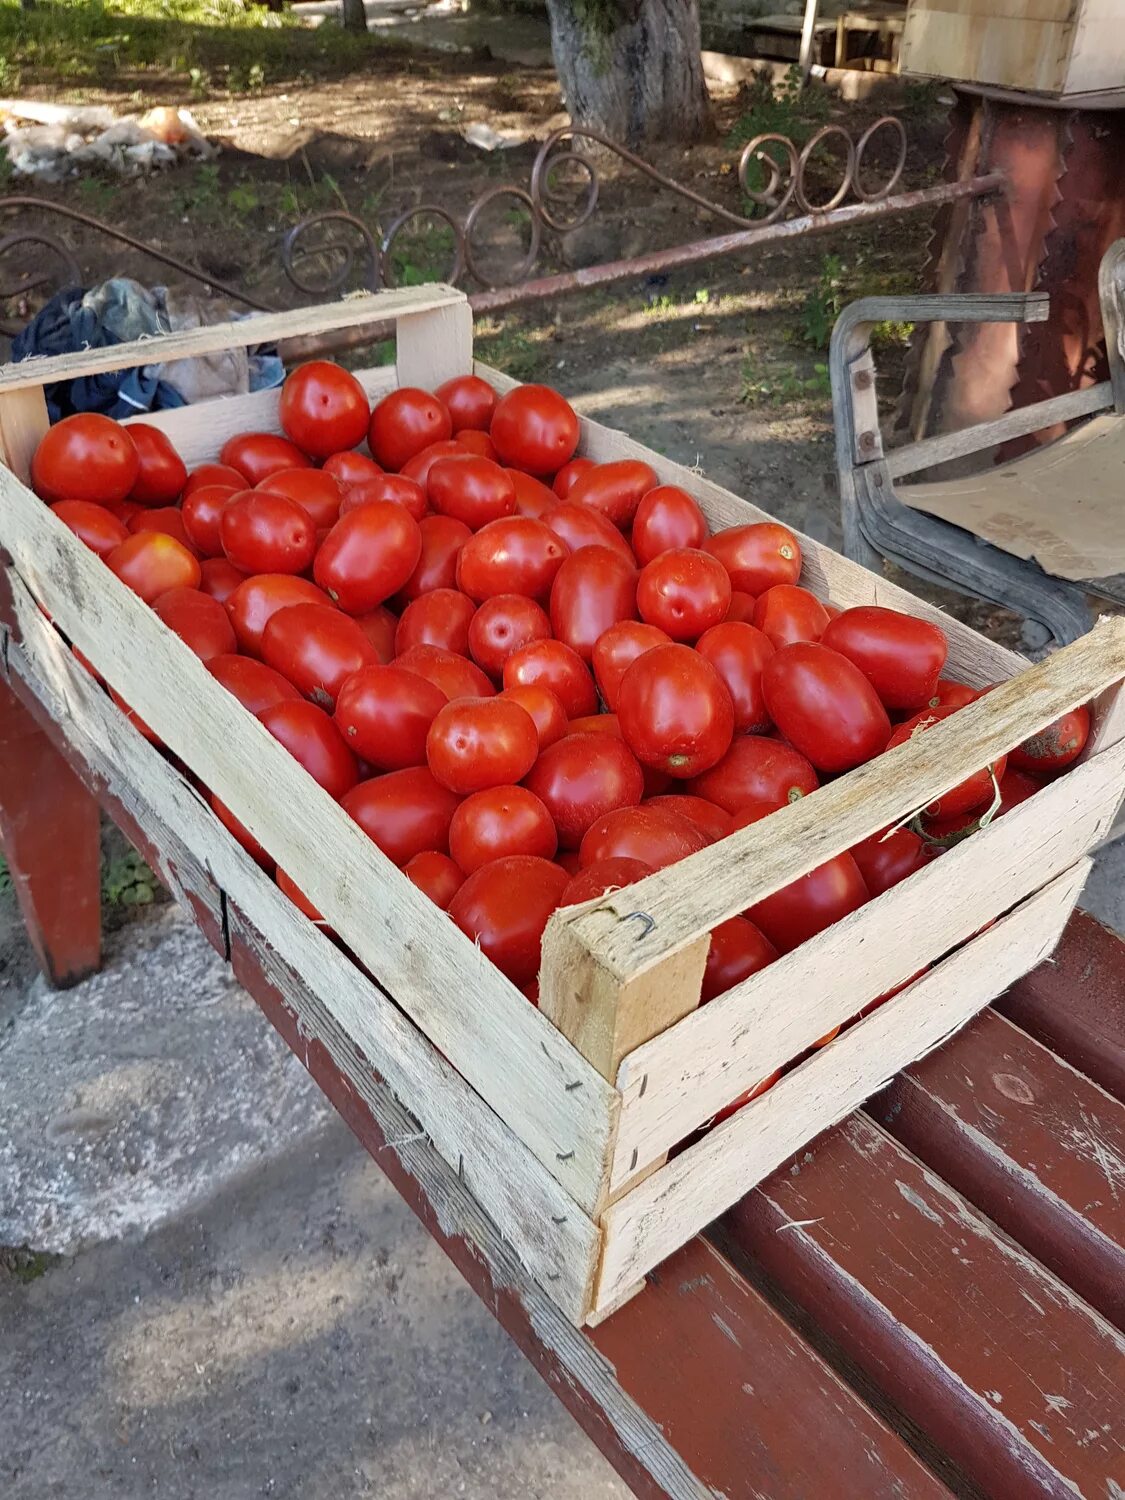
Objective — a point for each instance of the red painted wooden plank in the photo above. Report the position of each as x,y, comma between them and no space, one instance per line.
1031,1142
998,1362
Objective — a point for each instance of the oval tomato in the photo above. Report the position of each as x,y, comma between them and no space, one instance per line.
384,714
824,706
264,533
161,475
683,592
314,742
949,694
756,770
418,468
738,949
503,625
323,408
380,628
547,713
85,457
581,778
200,621
151,563
239,831
477,743
738,652
470,402
900,656
675,712
91,524
757,556
887,858
554,665
535,429
741,608
405,422
1054,748
569,475
439,618
799,911
1015,788
602,876
253,602
457,676
202,514
312,489
473,490
617,648
255,685
404,812
209,474
514,555
219,578
614,490
579,526
708,817
166,518
533,498
393,487
288,888
975,791
317,648
593,589
257,455
442,539
786,613
368,555
504,907
499,821
667,520
655,836
351,468
435,875
479,444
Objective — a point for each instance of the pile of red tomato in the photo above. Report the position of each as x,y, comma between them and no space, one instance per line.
528,677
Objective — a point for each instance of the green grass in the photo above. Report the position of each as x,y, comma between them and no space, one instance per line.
780,383
126,880
26,1265
840,282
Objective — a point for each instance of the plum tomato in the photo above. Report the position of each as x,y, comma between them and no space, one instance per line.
313,740
91,524
756,770
351,468
404,812
264,533
554,665
166,518
738,652
288,887
202,513
219,578
533,498
380,628
738,949
403,423
1054,748
442,540
757,556
317,648
886,858
368,555
534,429
593,589
200,621
85,457
569,475
255,685
581,778
498,821
435,875
417,470
617,648
384,714
975,791
741,607
473,490
470,402
477,743
502,625
313,490
708,817
513,555
815,901
824,706
950,694
504,908
675,711
323,408
479,444
151,563
257,455
683,592
457,676
579,526
547,713
239,831
667,520
1015,788
439,618
602,876
161,475
393,487
654,835
208,474
614,490
787,613
901,656
257,598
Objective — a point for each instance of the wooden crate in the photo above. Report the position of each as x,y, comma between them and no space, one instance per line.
561,1119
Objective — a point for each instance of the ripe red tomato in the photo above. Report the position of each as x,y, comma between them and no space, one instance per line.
240,832
757,556
476,743
219,578
457,676
824,706
579,526
318,649
405,422
505,906
656,836
257,455
675,712
533,498
161,475
1054,748
314,742
593,589
569,475
535,429
683,592
166,518
470,402
200,621
435,875
886,858
384,714
478,443
208,474
404,812
497,822
596,724
151,563
547,713
738,652
440,618
604,875
313,490
255,685
503,625
1015,788
418,468
393,487
351,468
442,540
710,819
975,791
287,887
473,490
581,778
786,613
741,608
554,665
514,555
202,513
264,533
756,770
753,812
121,510
323,408
615,489
949,694
799,911
900,656
667,520
738,949
380,627
368,555
256,599
85,457
91,524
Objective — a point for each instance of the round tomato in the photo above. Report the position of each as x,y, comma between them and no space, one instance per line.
497,822
741,608
418,468
151,563
738,949
581,778
208,474
380,628
533,498
405,422
502,625
738,652
323,408
200,621
504,908
393,487
264,533
313,490
757,556
683,592
166,518
547,713
477,743
457,676
654,835
1054,748
756,770
440,618
257,455
614,490
786,613
534,429
255,685
202,513
675,712
351,468
368,555
949,694
709,818
617,648
515,555
900,656
886,858
239,831
473,490
256,599
602,876
404,812
219,578
554,665
85,457
799,911
824,706
569,475
593,589
975,791
470,402
318,649
91,524
161,475
442,540
385,713
667,520
314,742
435,875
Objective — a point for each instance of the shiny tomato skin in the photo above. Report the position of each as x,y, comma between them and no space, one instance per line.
617,648
351,468
255,685
596,724
442,539
457,676
435,875
166,518
219,578
470,402
950,694
202,513
824,706
380,628
162,474
439,618
533,498
569,475
257,455
579,526
323,408
264,533
602,876
757,556
200,621
554,665
593,589
318,649
1015,787
975,791
799,911
499,821
615,490
683,592
741,608
384,714
92,524
404,812
313,740
738,949
313,490
288,887
655,836
1054,748
754,812
547,713
675,711
885,860
708,817
368,555
151,563
85,457
503,625
667,520
738,652
242,834
756,770
902,657
418,468
581,778
121,510
209,474
479,444
260,596
534,429
405,422
514,555
393,487
471,489
787,613
504,907
477,743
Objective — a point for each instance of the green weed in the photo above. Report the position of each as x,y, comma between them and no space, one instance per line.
243,199
780,384
512,350
839,283
26,1265
128,881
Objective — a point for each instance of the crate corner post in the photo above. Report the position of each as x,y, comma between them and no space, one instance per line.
23,421
435,344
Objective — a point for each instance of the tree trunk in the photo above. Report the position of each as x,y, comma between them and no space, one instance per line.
355,15
631,68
